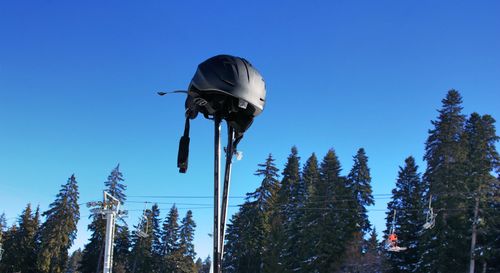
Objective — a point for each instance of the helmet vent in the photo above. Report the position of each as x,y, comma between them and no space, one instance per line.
228,82
246,67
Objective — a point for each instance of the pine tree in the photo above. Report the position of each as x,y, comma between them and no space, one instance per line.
205,268
175,262
178,249
490,237
8,261
482,161
157,236
156,230
233,250
26,237
74,262
93,252
142,247
245,238
249,242
199,265
329,227
372,261
406,200
359,183
23,256
446,248
310,178
59,229
187,235
171,232
114,185
121,250
265,204
290,196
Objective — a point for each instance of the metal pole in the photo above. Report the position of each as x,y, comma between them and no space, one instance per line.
225,192
111,208
108,247
216,257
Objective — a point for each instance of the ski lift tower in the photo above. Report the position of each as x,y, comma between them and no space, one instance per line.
226,88
111,208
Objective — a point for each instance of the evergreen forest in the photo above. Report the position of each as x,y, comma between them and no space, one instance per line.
308,216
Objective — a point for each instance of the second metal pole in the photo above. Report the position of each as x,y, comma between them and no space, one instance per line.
216,258
225,192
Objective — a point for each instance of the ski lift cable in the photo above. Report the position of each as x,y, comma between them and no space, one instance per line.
452,193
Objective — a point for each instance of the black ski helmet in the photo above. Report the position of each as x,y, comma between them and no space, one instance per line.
229,88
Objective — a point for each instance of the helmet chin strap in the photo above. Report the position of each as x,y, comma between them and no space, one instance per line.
183,154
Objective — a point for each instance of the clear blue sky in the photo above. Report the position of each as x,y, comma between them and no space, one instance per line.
78,82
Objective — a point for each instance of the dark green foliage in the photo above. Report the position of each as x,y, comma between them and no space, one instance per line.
156,234
198,264
251,245
10,246
291,198
246,237
27,240
121,251
372,260
176,262
205,266
265,203
407,201
22,244
59,229
328,220
310,178
142,247
446,246
171,232
482,161
114,185
233,245
266,194
359,181
178,248
359,188
93,252
156,230
73,262
187,236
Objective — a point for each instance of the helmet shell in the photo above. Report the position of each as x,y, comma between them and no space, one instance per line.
233,76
